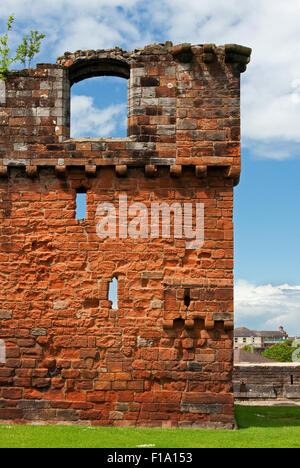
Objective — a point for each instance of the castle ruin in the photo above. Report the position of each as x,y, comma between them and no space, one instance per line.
164,356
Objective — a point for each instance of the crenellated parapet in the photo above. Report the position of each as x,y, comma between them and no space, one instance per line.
183,110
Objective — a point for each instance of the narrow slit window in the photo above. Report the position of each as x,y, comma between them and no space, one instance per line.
292,380
187,297
2,352
243,388
80,204
113,293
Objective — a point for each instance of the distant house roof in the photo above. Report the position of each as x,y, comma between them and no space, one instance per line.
245,332
270,334
245,356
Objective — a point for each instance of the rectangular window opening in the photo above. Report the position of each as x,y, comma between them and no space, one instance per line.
113,293
80,213
187,297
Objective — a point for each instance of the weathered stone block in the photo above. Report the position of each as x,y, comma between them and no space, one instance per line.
200,408
2,92
291,391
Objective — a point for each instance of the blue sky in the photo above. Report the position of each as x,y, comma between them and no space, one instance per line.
267,224
267,221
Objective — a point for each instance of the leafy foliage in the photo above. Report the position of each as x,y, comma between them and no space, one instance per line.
25,52
5,59
281,352
29,47
247,348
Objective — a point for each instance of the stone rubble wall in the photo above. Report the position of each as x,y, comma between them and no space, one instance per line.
266,381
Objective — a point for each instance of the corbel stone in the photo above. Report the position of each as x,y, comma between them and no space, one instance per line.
121,170
168,324
239,55
150,170
201,171
228,325
189,324
233,172
3,171
175,170
209,48
237,49
209,324
182,52
31,171
60,171
90,170
209,54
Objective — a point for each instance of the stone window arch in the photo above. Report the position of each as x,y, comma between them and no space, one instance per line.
81,69
83,65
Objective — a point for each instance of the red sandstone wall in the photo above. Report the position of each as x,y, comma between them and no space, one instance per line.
67,348
154,361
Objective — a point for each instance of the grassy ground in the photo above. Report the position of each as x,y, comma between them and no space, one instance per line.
262,427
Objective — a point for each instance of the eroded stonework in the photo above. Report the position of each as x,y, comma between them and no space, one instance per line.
159,359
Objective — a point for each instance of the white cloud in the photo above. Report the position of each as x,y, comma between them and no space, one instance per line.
87,120
85,33
267,307
103,28
270,87
74,24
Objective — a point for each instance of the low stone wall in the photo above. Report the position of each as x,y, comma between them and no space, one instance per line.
266,381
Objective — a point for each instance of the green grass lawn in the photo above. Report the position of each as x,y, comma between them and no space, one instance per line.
262,427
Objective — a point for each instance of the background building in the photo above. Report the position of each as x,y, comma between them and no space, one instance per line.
258,339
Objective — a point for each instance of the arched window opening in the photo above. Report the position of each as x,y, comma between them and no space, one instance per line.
80,212
99,108
113,293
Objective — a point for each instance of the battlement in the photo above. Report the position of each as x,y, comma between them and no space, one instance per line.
183,110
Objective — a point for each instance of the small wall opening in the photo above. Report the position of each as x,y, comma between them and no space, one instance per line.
113,293
2,352
80,212
243,388
178,324
187,297
292,380
99,108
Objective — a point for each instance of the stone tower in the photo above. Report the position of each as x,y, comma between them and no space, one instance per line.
163,357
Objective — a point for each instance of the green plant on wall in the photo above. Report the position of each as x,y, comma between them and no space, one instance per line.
281,352
29,47
247,348
25,52
5,59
